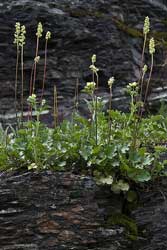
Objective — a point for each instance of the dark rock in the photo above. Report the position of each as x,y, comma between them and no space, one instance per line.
79,29
151,217
40,211
60,210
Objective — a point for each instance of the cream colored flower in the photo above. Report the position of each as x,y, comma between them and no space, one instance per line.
146,27
39,30
111,81
93,59
48,35
152,46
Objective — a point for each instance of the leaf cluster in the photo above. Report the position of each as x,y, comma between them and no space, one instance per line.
72,146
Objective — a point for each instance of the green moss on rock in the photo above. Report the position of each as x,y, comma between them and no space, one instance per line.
127,222
160,37
129,30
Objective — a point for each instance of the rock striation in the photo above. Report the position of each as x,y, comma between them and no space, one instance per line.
151,217
58,211
64,211
112,29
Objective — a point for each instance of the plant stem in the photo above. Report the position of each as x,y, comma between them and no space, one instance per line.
22,82
109,119
97,81
141,67
96,122
142,74
55,107
30,92
16,82
44,74
149,79
35,65
131,110
76,98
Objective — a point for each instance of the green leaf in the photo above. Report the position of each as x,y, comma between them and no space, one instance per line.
139,175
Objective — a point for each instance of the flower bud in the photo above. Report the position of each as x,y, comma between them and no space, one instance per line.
43,102
145,68
90,87
152,46
39,30
93,59
36,59
111,81
146,27
22,36
93,68
48,35
17,33
132,84
32,98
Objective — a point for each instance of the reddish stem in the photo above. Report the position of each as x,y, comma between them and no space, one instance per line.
44,74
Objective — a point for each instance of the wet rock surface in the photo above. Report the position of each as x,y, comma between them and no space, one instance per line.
109,28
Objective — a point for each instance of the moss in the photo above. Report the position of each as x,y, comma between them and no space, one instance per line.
164,21
127,222
160,37
131,31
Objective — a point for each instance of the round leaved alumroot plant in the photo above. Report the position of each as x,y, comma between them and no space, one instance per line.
118,149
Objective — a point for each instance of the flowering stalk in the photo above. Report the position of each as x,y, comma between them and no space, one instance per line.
39,35
47,37
90,89
16,41
110,83
151,51
30,92
144,70
36,60
133,89
22,43
95,70
146,30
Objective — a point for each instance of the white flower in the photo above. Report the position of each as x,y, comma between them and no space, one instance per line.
111,81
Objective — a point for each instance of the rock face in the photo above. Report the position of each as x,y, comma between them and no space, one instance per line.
56,211
63,211
109,28
151,218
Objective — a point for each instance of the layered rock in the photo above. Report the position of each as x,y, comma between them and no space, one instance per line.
50,210
109,28
63,211
151,217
